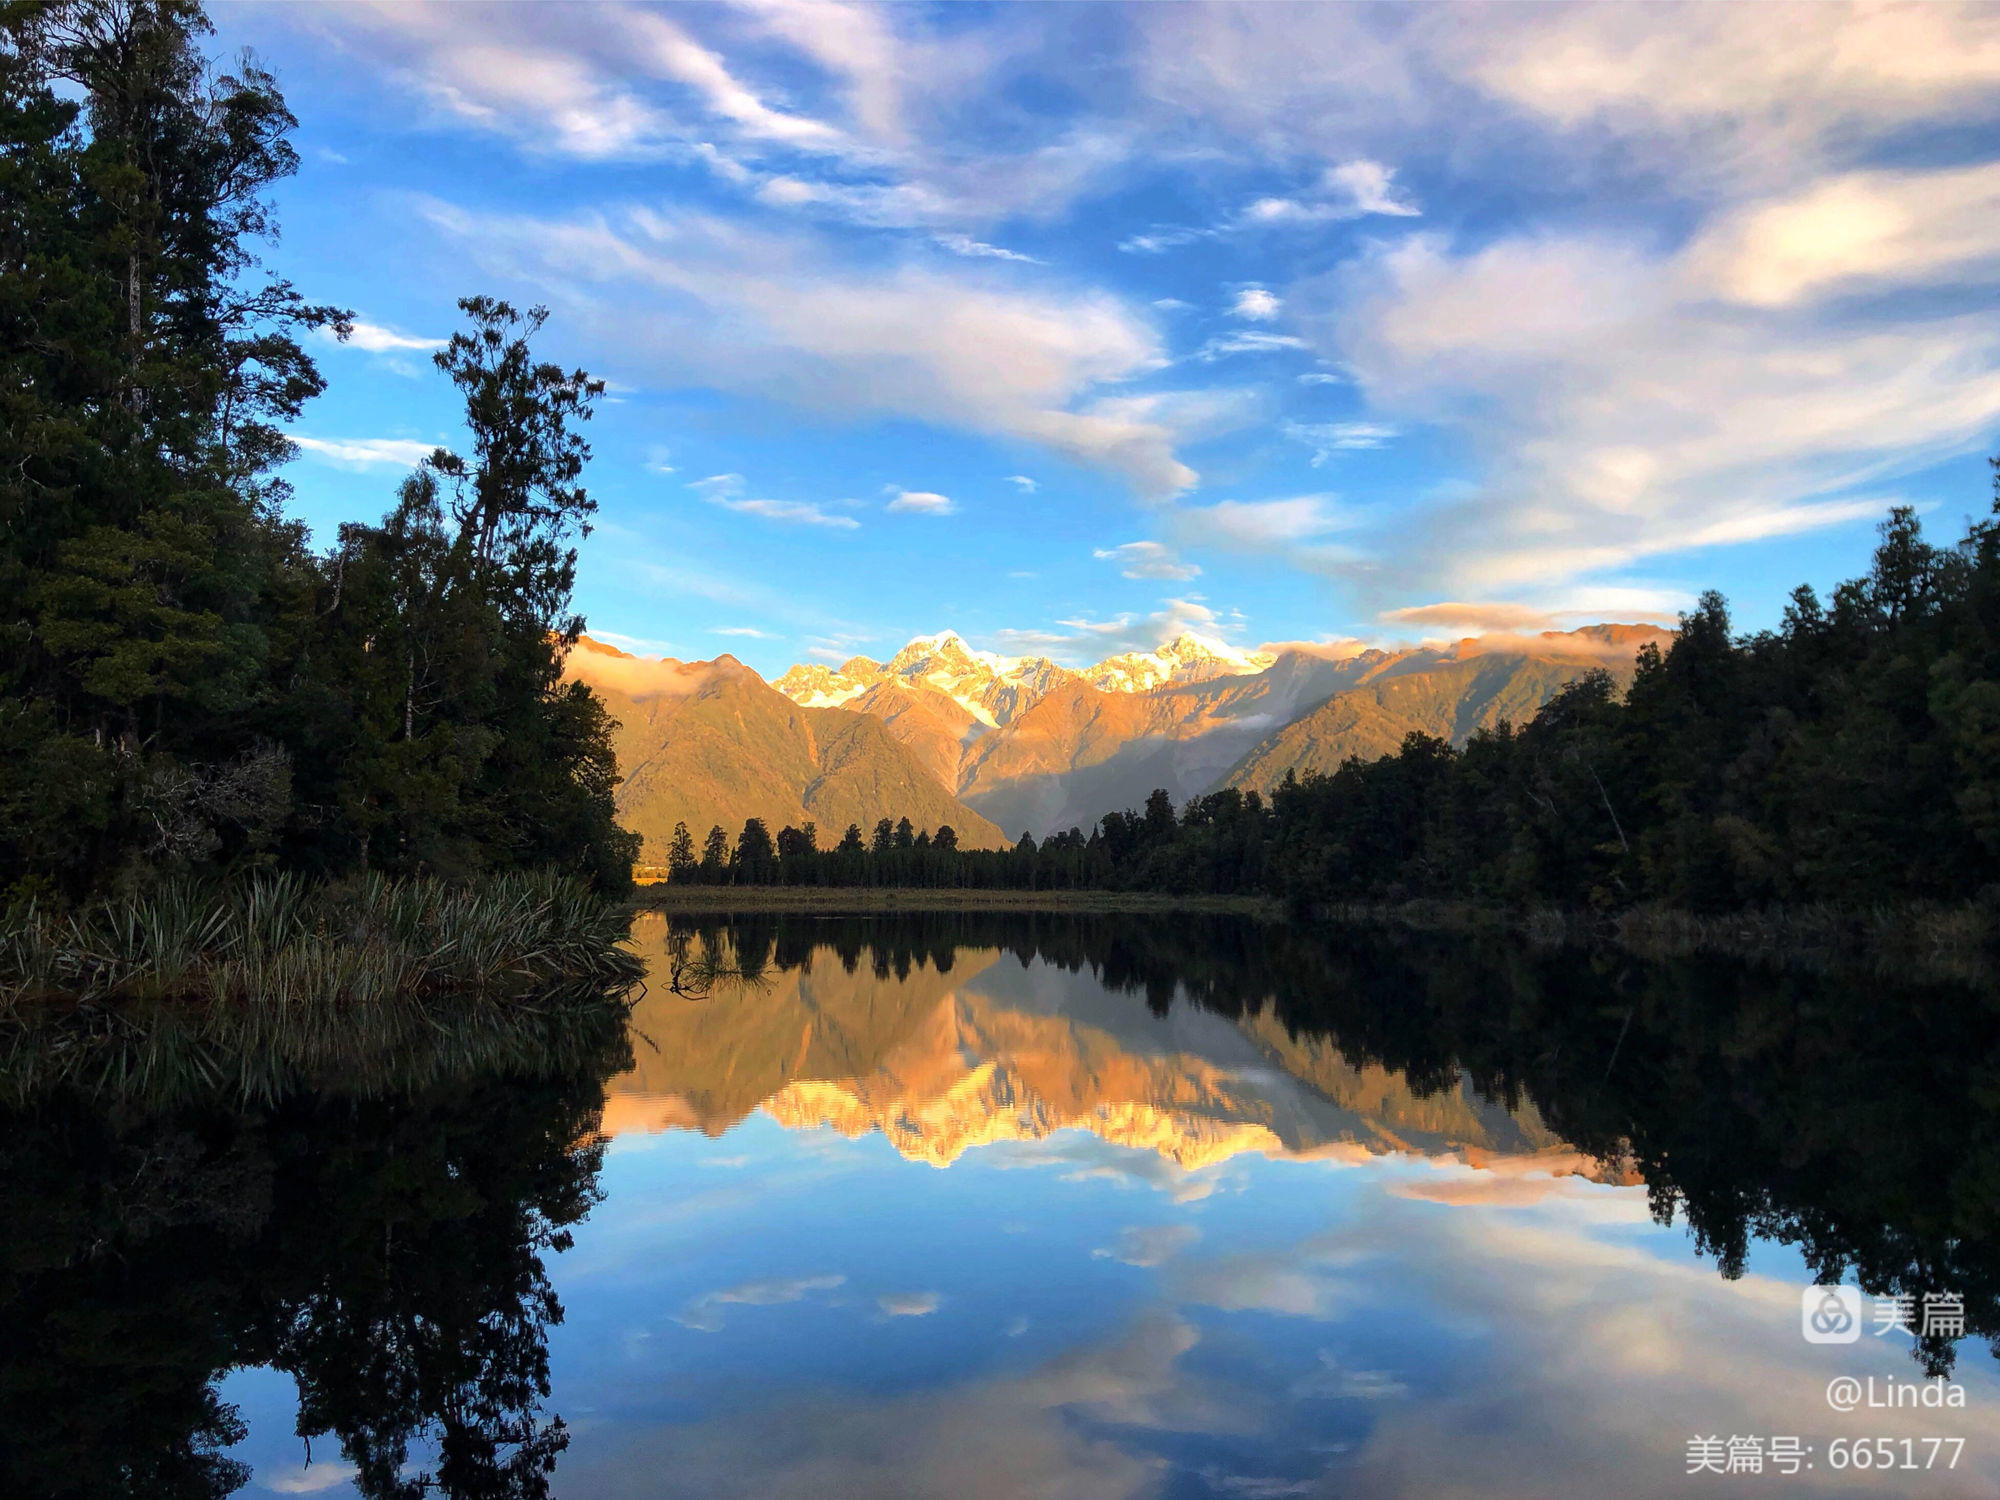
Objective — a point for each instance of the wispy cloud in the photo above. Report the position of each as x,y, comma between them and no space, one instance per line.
793,512
704,1313
374,338
966,245
1148,560
1026,485
1326,439
1262,523
726,491
1248,342
367,453
1150,1245
1350,190
1081,639
781,315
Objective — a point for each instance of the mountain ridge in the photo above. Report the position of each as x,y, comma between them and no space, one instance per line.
999,745
712,744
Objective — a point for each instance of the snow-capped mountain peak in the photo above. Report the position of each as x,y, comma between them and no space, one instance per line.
811,685
1188,657
996,689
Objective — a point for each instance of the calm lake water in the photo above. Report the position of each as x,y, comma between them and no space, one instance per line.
1022,1206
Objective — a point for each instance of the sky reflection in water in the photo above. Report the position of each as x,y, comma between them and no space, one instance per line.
1005,1230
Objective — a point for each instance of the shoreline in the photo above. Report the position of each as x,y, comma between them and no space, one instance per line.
1931,941
842,900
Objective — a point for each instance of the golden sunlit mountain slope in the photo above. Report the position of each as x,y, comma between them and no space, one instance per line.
936,727
943,1062
709,743
1037,748
1473,685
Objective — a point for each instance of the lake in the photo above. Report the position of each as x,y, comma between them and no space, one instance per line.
1025,1205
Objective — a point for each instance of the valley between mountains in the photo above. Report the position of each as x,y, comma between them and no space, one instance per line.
999,746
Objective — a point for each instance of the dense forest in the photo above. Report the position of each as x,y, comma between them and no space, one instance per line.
187,688
1850,757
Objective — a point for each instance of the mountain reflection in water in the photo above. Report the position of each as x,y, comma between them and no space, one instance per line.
1009,1205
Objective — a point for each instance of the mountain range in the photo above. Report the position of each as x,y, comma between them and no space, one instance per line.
712,744
998,745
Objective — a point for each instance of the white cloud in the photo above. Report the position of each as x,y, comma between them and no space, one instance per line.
699,299
1256,304
1148,560
1781,82
1027,486
363,453
750,631
1260,524
1351,190
1328,438
794,512
1852,232
1471,618
1248,342
1081,639
704,1313
1369,187
1150,1245
637,645
670,51
374,338
965,244
726,491
307,1479
923,502
1632,403
908,1304
716,485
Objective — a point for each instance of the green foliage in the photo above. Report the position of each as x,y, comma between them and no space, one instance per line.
280,942
185,688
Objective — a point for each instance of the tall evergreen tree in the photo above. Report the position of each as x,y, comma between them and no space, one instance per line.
145,368
182,685
681,862
715,856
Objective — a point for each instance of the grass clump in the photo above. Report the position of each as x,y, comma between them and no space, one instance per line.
282,941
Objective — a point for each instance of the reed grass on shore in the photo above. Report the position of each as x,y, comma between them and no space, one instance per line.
284,941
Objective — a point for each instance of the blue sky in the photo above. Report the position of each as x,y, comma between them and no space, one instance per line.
1071,326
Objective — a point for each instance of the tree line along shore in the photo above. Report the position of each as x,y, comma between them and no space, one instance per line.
1848,760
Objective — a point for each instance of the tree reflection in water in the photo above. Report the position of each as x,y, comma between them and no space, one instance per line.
383,1245
1850,1112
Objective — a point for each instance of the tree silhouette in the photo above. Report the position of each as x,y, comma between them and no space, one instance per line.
682,865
